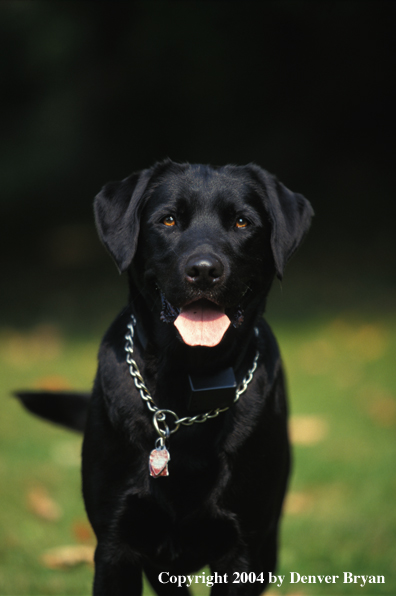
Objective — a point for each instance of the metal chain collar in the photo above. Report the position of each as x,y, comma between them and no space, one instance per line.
160,414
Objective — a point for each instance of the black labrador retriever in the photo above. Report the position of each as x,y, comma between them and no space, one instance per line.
186,452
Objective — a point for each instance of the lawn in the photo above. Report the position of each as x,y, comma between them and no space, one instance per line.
340,514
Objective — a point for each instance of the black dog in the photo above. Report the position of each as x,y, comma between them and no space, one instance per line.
167,487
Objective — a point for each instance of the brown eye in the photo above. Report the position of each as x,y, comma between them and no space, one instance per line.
169,221
241,222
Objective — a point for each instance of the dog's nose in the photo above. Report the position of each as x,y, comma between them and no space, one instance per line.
204,270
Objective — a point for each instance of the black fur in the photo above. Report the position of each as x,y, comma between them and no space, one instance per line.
221,504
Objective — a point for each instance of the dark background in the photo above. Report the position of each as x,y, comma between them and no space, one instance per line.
92,91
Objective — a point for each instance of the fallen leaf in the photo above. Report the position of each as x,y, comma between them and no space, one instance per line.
297,502
42,505
307,430
64,557
83,531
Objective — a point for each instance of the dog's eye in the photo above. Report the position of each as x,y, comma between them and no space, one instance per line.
241,222
169,221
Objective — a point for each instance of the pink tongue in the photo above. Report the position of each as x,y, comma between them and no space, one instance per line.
202,324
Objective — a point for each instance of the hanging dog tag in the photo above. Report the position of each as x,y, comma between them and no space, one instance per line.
158,461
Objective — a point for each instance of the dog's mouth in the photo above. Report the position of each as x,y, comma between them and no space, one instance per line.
200,322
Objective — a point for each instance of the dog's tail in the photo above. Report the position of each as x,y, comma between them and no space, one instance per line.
68,409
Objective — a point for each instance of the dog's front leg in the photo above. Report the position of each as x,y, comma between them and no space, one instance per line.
116,573
245,572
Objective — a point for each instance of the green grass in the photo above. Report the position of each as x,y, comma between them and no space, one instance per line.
342,372
341,513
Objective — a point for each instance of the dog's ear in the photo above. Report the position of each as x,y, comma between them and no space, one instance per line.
117,214
290,216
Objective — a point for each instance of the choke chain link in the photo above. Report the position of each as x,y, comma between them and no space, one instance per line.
160,414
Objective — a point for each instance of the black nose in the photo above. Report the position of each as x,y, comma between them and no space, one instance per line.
204,270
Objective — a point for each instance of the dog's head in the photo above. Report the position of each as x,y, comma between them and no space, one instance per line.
204,240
